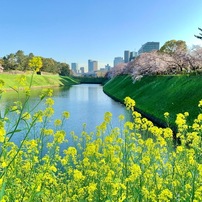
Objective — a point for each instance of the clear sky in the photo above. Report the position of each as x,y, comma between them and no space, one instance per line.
78,30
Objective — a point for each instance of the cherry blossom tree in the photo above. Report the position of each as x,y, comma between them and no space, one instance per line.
177,61
173,58
148,64
194,58
117,70
176,52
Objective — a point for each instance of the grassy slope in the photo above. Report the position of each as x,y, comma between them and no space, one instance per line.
155,95
38,80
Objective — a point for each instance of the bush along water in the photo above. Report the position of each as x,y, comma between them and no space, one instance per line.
136,162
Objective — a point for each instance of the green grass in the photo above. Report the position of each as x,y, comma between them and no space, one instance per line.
155,95
38,80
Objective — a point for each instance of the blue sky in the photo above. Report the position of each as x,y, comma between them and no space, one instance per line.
78,30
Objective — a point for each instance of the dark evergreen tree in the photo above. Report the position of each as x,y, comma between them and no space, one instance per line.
199,37
64,69
20,61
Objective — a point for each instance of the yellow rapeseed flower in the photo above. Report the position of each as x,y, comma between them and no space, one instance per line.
179,149
47,131
135,172
21,80
1,181
180,120
49,102
107,117
53,168
59,136
91,188
165,195
71,151
66,114
46,92
49,111
130,103
26,116
78,175
145,160
166,114
200,103
27,91
38,116
121,117
129,125
168,133
27,166
4,164
199,117
198,193
57,122
2,132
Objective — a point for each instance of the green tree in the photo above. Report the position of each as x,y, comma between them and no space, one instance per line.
9,62
21,60
199,37
35,63
49,65
1,61
31,55
176,53
172,46
64,69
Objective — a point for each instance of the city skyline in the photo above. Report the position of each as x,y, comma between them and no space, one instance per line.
75,31
127,56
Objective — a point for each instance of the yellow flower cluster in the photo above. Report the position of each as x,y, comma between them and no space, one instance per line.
2,132
138,162
200,103
130,103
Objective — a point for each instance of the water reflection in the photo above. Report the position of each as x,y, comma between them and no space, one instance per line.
86,103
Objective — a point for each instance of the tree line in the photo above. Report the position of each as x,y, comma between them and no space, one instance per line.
19,61
174,57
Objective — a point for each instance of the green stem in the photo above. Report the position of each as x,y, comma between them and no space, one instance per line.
20,146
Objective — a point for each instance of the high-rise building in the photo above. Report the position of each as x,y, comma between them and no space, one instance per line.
82,70
133,55
107,67
74,67
95,65
148,47
118,60
126,56
92,65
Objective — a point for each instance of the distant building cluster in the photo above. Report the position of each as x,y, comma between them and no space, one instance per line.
118,60
127,57
74,67
148,47
92,66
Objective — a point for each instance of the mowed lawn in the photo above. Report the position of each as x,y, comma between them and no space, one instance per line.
155,95
12,80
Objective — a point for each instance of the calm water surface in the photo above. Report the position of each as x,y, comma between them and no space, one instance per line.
86,103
